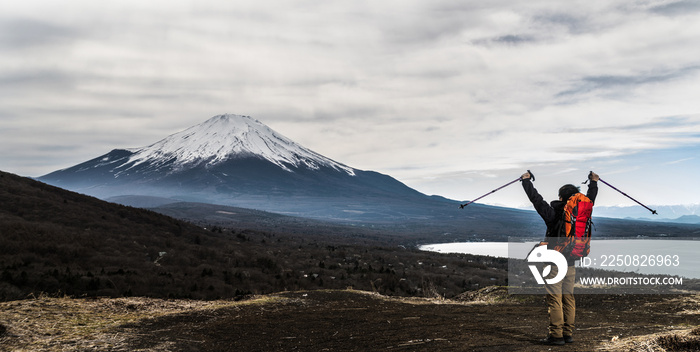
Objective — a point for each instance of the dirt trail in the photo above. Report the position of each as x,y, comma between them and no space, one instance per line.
359,321
350,320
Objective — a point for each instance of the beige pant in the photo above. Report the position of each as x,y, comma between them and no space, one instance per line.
561,304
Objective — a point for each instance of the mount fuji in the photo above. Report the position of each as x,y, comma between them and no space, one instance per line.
226,137
239,161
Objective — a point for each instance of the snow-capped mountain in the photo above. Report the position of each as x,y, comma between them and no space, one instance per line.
683,213
229,136
236,160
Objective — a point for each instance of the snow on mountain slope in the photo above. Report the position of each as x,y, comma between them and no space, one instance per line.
227,136
238,161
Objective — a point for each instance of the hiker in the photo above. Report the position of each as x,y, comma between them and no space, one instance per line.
560,296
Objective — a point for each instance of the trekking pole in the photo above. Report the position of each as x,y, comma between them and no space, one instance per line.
624,194
532,177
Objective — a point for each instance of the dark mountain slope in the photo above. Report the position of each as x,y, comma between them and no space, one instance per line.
59,242
53,240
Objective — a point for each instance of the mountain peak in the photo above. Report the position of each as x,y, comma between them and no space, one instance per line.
232,122
228,136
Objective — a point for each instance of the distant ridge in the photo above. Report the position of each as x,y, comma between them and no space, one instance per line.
688,219
685,213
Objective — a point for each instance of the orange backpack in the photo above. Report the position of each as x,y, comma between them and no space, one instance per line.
574,228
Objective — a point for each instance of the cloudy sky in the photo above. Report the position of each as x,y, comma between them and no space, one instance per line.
451,97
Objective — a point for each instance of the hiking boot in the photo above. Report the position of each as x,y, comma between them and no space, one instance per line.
551,340
568,339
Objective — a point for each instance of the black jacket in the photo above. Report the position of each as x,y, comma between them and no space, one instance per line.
551,213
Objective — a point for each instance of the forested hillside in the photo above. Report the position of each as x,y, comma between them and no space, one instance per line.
59,242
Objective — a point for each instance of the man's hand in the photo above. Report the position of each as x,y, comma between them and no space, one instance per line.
594,176
526,176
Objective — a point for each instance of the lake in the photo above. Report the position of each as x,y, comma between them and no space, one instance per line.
664,256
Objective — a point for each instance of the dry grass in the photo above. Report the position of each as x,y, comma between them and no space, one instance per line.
100,324
673,340
66,324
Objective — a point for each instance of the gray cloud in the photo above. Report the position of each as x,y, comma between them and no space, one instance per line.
575,24
27,33
46,79
423,88
514,39
509,39
657,124
609,82
677,8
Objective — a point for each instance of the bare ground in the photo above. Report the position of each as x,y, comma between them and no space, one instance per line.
347,320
